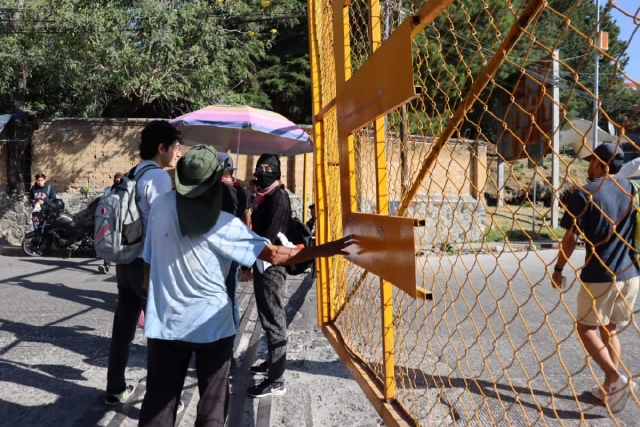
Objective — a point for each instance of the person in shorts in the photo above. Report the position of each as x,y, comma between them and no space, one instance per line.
603,212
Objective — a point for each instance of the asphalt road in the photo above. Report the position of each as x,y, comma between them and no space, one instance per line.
496,346
55,324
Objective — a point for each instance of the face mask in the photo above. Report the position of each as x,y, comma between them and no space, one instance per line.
265,179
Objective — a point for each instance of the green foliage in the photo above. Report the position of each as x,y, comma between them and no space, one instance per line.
85,190
142,58
451,53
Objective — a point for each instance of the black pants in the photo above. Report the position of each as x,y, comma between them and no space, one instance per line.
131,299
167,370
269,287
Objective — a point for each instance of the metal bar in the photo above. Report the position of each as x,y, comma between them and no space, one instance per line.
382,208
596,79
555,155
325,110
305,165
427,13
346,143
319,166
534,8
392,413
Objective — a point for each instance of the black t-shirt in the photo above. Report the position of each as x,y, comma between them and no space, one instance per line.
272,216
234,199
595,218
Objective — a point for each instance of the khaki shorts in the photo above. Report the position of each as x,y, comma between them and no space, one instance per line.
604,303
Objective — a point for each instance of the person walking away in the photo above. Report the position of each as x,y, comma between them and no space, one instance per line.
603,212
235,201
269,218
117,178
189,247
159,148
39,194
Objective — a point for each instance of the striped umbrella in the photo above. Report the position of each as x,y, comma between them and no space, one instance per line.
243,130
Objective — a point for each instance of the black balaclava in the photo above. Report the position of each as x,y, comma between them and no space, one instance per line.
265,179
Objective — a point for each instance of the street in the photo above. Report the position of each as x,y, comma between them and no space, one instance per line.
55,324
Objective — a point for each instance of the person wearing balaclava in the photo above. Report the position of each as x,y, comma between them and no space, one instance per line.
269,218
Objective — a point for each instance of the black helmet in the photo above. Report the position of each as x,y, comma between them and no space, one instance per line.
56,204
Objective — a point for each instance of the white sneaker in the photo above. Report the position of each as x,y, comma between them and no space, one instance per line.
596,392
619,394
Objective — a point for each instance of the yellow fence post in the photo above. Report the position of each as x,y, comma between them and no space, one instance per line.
319,156
382,203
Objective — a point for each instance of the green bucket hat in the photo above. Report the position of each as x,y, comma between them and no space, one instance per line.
199,191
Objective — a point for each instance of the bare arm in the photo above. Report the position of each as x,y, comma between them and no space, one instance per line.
567,246
246,217
281,255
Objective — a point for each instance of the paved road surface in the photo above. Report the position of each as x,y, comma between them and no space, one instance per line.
55,323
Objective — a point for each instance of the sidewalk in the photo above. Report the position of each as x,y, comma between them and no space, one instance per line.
320,390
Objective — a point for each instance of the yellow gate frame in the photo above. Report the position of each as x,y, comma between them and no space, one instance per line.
383,83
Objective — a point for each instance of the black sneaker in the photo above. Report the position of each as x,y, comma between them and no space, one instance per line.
114,399
267,388
261,368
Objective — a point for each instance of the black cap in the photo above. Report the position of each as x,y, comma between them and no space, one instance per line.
606,152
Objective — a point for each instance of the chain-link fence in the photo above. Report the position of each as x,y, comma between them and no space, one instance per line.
484,154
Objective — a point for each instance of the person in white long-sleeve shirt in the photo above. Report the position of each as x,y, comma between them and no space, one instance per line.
159,147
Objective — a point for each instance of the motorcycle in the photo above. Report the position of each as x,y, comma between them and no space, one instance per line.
57,228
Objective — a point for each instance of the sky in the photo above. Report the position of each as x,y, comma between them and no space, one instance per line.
627,26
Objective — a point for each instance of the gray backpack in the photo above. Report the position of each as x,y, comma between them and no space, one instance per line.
118,233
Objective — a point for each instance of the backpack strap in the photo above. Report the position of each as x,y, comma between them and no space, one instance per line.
636,187
286,195
141,172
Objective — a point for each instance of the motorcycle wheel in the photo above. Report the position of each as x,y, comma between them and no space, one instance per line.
36,249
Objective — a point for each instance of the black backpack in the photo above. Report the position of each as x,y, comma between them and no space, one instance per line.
297,233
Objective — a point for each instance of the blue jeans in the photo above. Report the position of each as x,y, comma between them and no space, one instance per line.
232,284
35,220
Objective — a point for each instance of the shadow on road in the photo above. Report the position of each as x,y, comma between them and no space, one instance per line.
46,393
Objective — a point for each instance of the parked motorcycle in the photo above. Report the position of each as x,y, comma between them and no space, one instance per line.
57,228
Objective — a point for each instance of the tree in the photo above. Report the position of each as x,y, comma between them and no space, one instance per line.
138,58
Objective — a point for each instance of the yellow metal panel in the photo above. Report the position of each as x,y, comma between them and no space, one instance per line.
428,12
383,83
386,248
318,168
382,206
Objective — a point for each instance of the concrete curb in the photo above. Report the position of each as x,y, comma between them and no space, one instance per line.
11,250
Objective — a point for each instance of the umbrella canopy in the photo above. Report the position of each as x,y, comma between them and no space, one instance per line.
243,130
581,138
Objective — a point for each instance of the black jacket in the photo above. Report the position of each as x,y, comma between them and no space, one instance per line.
272,216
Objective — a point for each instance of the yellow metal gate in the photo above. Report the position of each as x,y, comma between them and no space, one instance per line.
448,138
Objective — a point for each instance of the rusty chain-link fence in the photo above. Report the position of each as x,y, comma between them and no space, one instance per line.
449,137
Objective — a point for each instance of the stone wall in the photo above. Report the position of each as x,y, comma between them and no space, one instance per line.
460,169
74,153
15,214
3,167
448,220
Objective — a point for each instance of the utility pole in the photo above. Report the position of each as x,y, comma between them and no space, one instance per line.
555,141
596,78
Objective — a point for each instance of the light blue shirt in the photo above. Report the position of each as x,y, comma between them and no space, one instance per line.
188,299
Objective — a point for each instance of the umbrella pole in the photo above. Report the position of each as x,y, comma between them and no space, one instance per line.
237,156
